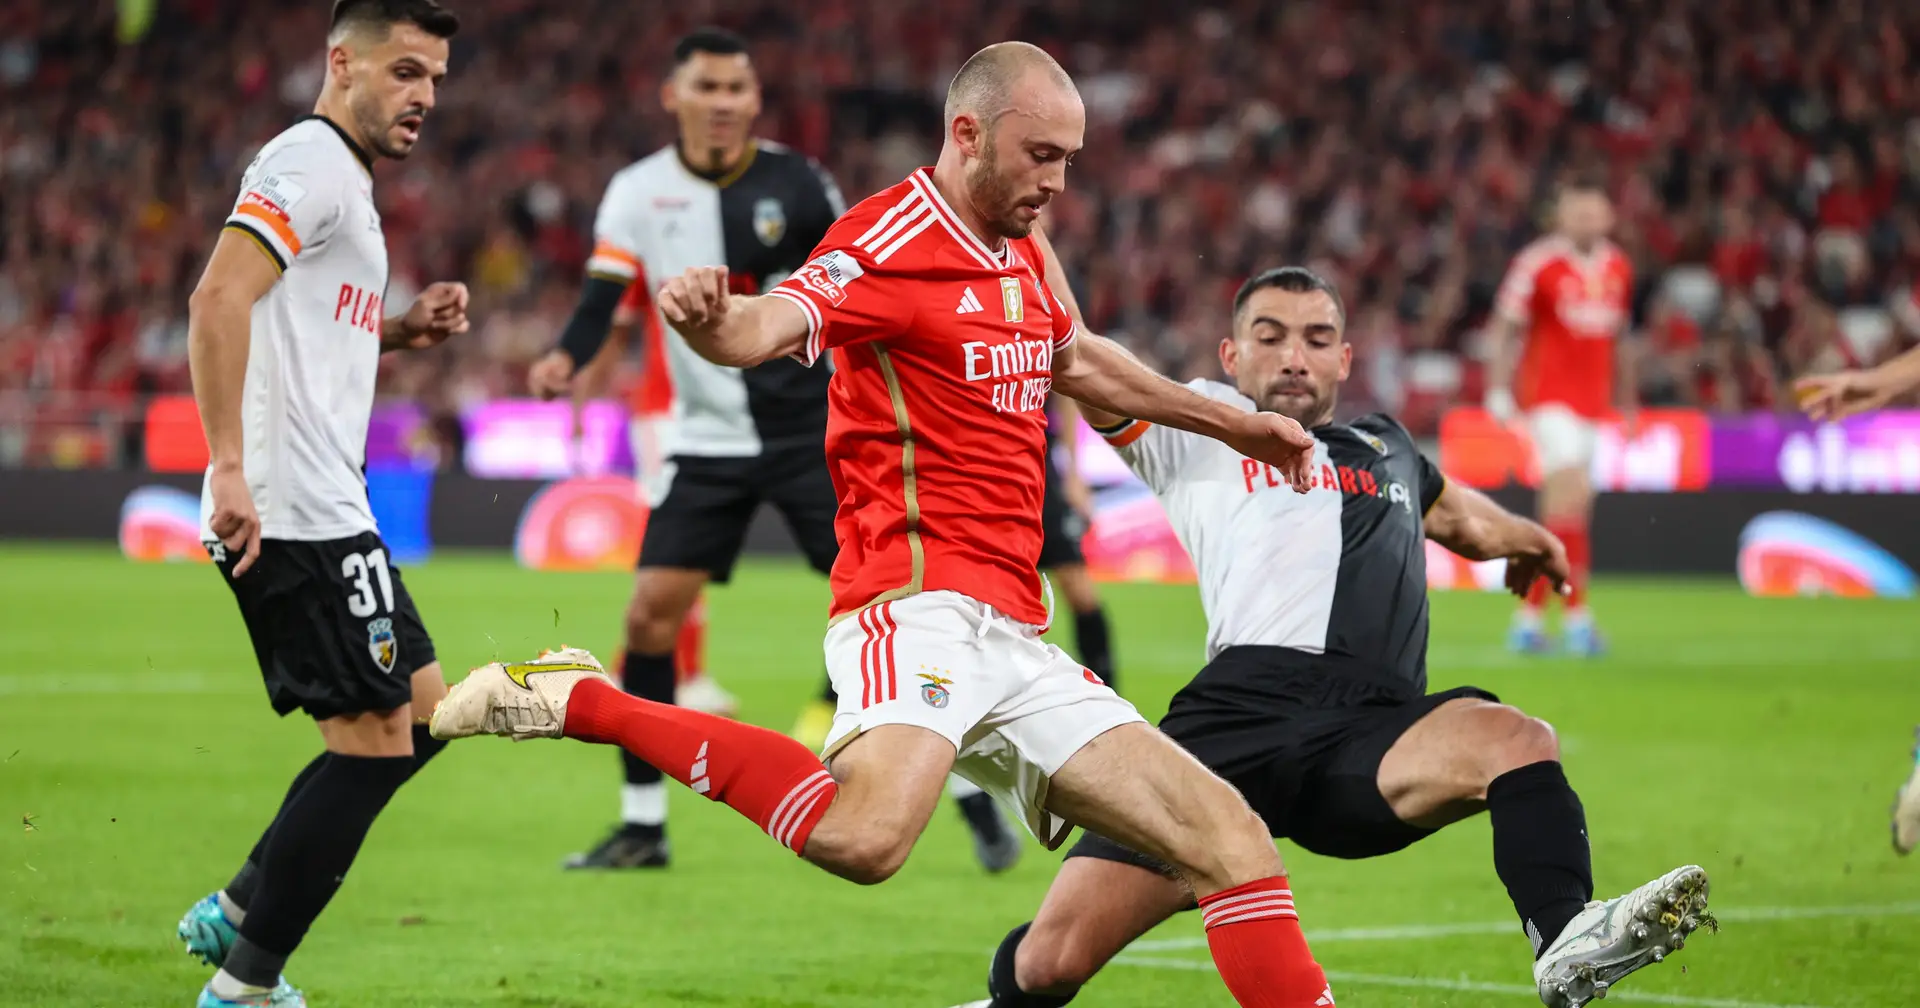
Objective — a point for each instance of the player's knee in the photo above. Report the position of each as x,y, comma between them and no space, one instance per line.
1517,740
1050,961
867,858
652,627
1226,846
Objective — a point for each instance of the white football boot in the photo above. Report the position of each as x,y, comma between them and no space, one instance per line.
1609,940
520,700
1906,809
703,694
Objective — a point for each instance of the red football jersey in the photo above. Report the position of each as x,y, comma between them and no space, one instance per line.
936,415
651,395
1571,306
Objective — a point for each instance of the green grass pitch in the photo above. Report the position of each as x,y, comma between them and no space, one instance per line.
1760,738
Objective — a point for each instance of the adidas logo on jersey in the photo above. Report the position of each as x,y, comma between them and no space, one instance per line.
1326,998
968,303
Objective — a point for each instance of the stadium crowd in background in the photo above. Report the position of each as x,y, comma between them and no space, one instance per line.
1764,157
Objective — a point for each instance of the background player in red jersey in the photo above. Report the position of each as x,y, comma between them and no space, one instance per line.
1557,317
947,344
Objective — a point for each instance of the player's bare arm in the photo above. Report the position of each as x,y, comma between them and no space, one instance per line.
219,334
1469,523
1503,359
1100,373
438,313
730,329
1845,393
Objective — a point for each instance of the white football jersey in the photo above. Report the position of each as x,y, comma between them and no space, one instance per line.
307,200
1337,570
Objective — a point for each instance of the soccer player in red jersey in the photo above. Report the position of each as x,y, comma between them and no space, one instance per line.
1564,300
1834,397
947,342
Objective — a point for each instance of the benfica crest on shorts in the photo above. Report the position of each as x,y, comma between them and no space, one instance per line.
934,690
380,643
769,221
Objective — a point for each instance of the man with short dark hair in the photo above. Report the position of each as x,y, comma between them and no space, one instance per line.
286,328
738,437
1313,702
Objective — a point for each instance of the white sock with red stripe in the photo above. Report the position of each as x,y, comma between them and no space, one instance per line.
1254,934
763,775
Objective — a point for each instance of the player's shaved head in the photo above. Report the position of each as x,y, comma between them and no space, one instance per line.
1014,121
984,87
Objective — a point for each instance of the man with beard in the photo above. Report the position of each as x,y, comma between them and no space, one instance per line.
936,437
286,331
1313,702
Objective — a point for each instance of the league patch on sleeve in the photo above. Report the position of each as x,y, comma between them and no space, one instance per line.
276,193
829,275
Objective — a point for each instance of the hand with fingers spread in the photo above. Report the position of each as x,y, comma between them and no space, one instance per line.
1278,441
696,302
234,518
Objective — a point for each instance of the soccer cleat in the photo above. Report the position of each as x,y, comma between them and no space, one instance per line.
703,694
997,846
1528,639
1582,641
207,932
520,700
1607,941
976,1004
1906,808
625,847
283,996
811,727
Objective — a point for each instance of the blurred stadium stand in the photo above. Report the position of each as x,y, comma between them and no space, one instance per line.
1765,158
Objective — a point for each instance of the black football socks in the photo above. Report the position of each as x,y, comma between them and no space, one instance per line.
1540,848
1096,648
1004,989
643,802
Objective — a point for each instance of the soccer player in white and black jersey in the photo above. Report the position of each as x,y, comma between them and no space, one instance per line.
1314,702
286,329
739,437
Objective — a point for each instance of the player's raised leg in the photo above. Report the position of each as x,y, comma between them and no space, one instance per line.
662,597
1134,785
858,822
1471,754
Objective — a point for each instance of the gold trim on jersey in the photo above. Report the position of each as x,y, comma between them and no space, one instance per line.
265,249
910,485
731,175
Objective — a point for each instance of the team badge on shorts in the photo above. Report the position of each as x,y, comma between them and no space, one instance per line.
934,690
769,221
381,644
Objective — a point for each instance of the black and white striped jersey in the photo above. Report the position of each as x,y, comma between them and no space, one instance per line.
658,218
1340,570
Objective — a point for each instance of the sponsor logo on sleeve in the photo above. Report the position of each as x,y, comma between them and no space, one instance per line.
829,275
276,193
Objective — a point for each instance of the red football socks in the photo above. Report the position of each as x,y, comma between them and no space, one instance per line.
1257,945
763,775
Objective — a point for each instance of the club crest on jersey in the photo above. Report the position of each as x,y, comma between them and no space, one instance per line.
1013,299
769,221
934,691
381,644
1373,442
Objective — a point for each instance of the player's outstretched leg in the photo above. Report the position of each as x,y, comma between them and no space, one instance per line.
859,826
1468,754
1906,807
209,927
1135,785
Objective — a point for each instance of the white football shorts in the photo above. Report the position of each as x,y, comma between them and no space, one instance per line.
1014,707
1562,439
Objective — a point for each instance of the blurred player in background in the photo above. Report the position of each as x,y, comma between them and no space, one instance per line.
286,328
1558,319
1835,397
1314,700
737,437
649,395
1066,515
937,442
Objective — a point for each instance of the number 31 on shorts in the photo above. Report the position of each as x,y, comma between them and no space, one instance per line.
356,567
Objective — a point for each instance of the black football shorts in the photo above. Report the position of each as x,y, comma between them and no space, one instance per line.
701,523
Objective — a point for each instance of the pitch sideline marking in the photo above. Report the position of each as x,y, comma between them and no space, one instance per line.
1416,931
1471,986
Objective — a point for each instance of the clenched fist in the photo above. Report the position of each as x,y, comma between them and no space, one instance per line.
695,303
